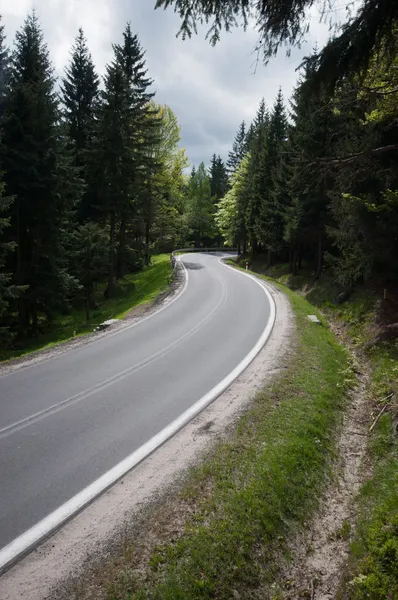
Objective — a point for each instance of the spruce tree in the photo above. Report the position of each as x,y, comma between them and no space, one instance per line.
80,90
200,207
143,134
238,149
218,177
4,67
270,222
8,292
112,159
255,173
88,248
311,139
39,175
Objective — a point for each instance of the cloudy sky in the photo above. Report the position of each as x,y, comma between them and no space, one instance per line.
211,90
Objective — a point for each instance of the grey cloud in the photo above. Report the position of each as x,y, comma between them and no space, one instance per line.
211,90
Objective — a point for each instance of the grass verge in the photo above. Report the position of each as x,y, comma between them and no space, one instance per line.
132,291
372,570
254,488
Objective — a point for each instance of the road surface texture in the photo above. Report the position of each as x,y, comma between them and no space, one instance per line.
66,421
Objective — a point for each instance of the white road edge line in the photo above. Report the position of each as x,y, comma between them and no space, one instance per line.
107,335
23,544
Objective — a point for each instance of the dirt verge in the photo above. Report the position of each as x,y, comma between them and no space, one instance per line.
319,554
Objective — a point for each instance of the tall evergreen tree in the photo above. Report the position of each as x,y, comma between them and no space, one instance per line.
8,292
255,170
80,91
238,149
311,140
112,158
218,178
270,224
130,57
200,207
39,175
4,67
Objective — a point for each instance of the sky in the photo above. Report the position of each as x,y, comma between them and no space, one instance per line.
210,89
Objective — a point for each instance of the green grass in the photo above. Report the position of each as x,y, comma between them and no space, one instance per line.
372,572
253,489
373,564
132,291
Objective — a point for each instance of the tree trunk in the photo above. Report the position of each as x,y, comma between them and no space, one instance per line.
87,303
269,260
291,256
20,276
121,252
111,259
33,312
300,257
319,257
147,239
295,258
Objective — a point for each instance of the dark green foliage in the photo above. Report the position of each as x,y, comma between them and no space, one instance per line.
287,23
40,176
8,292
239,148
88,249
4,67
218,178
80,90
200,208
269,224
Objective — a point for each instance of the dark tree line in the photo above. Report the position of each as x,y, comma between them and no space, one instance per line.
318,182
87,170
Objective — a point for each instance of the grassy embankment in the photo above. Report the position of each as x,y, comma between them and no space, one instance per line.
132,291
253,490
372,572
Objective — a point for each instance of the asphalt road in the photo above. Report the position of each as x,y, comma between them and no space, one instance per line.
66,421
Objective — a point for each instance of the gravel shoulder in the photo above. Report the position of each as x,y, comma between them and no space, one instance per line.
91,534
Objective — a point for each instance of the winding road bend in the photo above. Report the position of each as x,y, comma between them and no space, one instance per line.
66,421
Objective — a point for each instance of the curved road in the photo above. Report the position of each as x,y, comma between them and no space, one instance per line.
68,420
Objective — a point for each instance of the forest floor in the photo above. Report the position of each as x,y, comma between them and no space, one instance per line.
133,291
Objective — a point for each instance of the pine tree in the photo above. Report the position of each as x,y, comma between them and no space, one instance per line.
143,134
270,223
8,292
238,149
311,139
112,159
88,248
39,175
218,178
255,170
80,91
200,207
4,67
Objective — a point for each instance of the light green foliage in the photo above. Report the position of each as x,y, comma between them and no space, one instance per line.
199,206
227,216
169,182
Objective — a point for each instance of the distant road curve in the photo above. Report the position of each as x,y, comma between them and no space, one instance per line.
72,425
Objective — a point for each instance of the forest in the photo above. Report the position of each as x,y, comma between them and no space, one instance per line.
94,181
